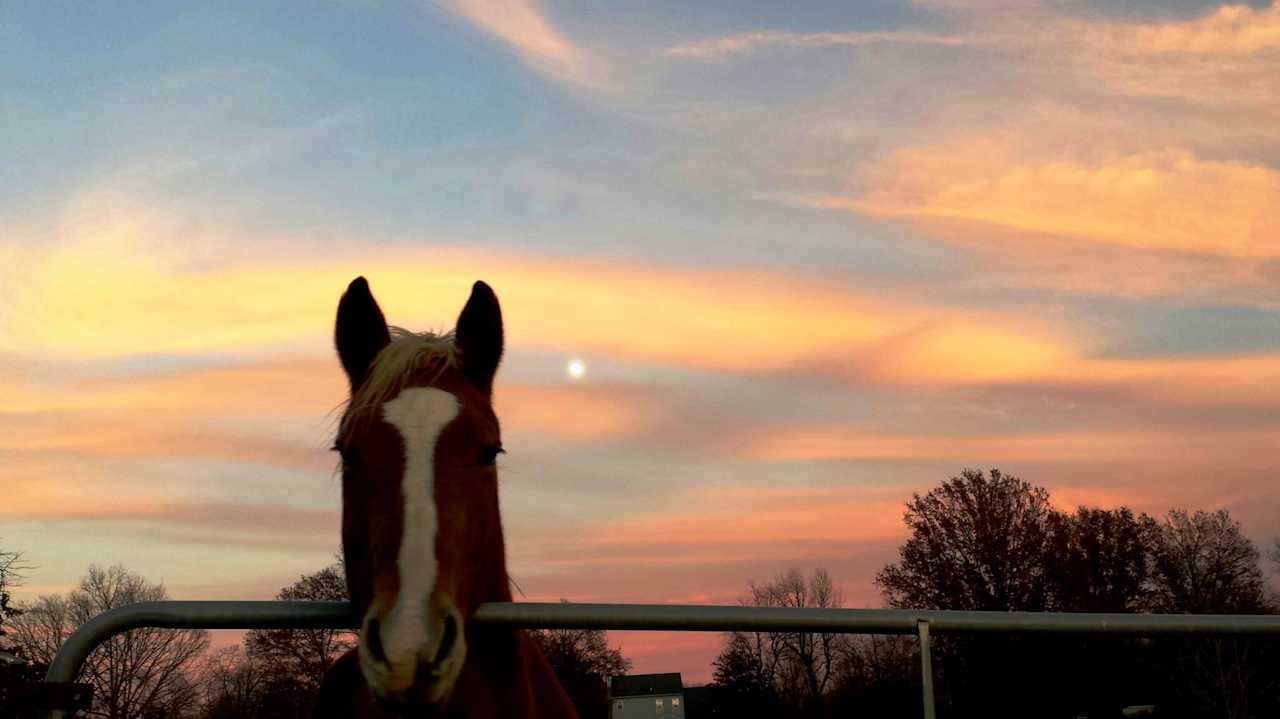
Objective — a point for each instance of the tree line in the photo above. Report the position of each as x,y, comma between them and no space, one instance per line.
979,541
993,542
171,674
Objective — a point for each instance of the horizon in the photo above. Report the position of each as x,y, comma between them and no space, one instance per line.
765,273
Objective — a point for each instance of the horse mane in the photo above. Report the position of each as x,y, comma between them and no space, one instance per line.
408,356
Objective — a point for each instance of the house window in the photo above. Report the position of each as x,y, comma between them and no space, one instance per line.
675,703
658,703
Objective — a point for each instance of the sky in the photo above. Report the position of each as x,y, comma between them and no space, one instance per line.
813,257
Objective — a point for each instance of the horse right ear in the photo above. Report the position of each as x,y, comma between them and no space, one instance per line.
360,332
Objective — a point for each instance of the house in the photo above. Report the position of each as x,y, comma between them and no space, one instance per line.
651,696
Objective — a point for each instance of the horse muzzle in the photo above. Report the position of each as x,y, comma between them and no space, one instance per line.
413,658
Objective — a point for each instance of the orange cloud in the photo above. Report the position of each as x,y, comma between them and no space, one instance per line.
717,525
847,443
83,298
1227,30
1252,380
1168,200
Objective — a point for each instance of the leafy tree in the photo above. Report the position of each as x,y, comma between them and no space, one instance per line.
1108,562
978,543
583,661
304,655
139,673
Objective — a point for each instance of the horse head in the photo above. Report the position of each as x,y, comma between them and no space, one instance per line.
421,532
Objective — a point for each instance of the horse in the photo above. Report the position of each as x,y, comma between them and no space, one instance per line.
421,532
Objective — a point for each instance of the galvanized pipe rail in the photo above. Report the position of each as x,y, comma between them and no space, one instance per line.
678,617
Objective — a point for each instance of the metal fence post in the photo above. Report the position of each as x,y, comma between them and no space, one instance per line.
926,669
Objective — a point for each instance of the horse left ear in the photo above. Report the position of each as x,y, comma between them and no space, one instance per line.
360,331
479,336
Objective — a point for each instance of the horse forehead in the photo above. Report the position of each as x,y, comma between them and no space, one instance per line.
421,413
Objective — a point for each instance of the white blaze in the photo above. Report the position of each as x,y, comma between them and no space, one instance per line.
420,414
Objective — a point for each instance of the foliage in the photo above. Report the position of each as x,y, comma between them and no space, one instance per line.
977,543
583,662
996,543
139,673
1108,561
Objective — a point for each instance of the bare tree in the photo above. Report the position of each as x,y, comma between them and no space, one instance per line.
304,655
796,668
14,672
11,575
583,661
140,673
878,676
235,686
1205,565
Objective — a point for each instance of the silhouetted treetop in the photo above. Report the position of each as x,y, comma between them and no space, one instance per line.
1108,562
1205,565
978,542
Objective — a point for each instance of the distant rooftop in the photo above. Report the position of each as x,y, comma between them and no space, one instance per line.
639,685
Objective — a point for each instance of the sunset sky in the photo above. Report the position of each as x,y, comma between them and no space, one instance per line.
813,257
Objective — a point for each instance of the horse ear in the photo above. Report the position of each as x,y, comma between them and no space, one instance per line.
360,332
479,336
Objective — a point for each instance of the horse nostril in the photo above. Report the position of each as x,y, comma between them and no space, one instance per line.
449,637
373,637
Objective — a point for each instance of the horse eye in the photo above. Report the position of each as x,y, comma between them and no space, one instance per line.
489,455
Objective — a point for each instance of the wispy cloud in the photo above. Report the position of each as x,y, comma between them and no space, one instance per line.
1166,200
521,24
717,49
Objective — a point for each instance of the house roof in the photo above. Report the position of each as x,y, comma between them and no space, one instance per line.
639,685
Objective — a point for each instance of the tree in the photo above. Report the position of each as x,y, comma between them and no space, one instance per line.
11,569
237,686
878,676
138,673
583,661
791,668
13,669
1205,565
1108,563
304,655
977,543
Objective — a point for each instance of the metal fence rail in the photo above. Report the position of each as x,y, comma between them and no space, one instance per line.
529,615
